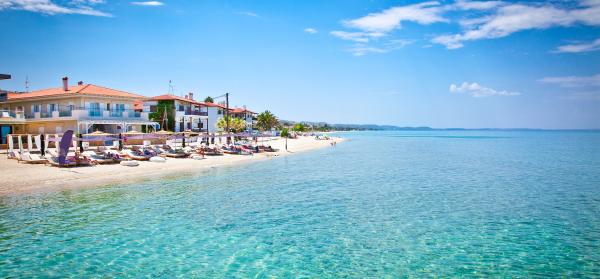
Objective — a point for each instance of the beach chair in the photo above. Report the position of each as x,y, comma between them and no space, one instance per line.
32,158
53,161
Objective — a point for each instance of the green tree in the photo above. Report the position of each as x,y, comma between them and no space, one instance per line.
285,133
236,125
299,127
209,99
266,121
161,117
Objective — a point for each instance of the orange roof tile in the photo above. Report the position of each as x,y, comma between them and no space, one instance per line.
86,89
138,105
240,110
167,97
214,105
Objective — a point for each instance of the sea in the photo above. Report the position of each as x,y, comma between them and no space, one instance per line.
383,204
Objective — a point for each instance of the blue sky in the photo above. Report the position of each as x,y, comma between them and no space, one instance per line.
410,63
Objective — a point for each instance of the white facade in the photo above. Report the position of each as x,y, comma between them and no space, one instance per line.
214,114
80,113
189,115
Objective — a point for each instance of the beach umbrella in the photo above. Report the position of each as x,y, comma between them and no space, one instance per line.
98,134
133,133
163,133
190,133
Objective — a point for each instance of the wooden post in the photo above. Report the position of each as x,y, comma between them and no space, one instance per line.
43,147
80,143
120,142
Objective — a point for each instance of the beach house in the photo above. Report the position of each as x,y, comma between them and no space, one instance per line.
246,115
177,113
82,108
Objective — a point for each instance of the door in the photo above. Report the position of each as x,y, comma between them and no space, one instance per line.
4,131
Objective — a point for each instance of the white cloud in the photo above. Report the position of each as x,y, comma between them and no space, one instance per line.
392,18
490,20
251,14
580,47
311,30
50,8
148,3
476,5
476,90
359,37
363,49
573,81
513,18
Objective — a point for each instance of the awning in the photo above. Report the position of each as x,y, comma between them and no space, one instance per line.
124,123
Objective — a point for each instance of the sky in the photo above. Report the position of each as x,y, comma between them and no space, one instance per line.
470,64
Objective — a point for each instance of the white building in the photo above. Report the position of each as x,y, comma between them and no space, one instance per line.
82,108
182,113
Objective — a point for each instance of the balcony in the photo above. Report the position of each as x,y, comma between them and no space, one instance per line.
65,113
93,112
75,113
116,113
196,112
11,117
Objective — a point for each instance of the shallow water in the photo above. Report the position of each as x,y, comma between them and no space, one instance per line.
384,204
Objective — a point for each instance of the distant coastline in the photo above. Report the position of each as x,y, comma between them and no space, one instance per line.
375,127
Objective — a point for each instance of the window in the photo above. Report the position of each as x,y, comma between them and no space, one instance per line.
107,106
36,108
51,107
94,109
153,109
181,108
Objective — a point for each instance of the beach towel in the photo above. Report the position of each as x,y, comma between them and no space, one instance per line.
20,144
29,143
38,142
65,142
10,143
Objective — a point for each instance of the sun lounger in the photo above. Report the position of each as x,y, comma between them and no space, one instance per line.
52,160
32,159
135,155
96,158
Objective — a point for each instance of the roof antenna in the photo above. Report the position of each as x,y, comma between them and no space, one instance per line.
27,83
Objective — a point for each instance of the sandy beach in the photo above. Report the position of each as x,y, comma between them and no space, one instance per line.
21,178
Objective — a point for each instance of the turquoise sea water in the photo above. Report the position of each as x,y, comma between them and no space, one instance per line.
384,204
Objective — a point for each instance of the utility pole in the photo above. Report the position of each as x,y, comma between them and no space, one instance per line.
227,111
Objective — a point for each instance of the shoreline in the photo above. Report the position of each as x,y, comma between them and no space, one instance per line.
21,178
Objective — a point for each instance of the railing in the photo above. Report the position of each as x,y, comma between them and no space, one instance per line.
65,113
72,111
8,113
196,112
116,113
94,112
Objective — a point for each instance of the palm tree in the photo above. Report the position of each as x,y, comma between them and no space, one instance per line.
209,99
299,127
266,121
